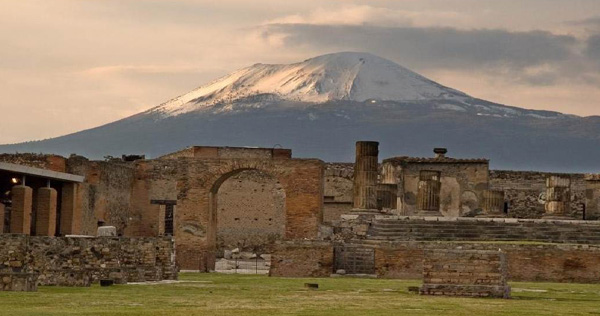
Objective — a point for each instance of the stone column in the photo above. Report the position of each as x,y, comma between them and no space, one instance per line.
428,195
70,213
366,169
558,197
2,218
45,222
493,203
20,216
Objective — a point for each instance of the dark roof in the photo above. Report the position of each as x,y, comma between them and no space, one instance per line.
404,159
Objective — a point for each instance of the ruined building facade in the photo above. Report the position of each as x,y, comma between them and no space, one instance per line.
215,200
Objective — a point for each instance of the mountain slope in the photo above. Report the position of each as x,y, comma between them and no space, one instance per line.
321,106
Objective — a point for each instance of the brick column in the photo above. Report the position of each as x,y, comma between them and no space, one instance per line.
366,169
20,216
45,222
70,213
558,197
2,218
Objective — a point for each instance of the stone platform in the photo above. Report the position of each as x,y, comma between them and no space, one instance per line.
474,273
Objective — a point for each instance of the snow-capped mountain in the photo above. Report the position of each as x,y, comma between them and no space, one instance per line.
321,106
342,76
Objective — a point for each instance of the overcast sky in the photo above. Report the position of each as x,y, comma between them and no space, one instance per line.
71,65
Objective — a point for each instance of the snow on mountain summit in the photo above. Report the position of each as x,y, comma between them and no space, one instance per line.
340,76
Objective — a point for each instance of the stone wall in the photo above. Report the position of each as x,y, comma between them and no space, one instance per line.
302,259
106,193
338,190
527,262
69,261
250,212
525,192
475,273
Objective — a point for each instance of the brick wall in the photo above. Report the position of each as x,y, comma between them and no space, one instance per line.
302,259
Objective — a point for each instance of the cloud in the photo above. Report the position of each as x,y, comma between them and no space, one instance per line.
432,47
593,48
370,15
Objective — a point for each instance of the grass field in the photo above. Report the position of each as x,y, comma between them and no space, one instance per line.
219,294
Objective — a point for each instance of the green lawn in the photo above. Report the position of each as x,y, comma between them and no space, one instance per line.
218,294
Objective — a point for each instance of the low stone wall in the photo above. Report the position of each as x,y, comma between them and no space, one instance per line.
78,261
543,262
302,259
477,273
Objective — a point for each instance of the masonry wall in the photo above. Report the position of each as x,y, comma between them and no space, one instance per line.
106,193
525,192
195,184
462,185
527,262
250,212
62,261
302,259
338,190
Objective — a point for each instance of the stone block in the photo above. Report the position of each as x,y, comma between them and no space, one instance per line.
107,231
18,281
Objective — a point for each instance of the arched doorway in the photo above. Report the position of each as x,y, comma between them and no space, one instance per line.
248,216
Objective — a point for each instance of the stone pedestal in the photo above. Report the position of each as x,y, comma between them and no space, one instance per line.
558,197
45,222
366,169
475,273
20,216
493,203
107,231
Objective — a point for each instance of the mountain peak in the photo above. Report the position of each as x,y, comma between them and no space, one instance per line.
352,76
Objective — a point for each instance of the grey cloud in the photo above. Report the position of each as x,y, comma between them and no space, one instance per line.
435,47
593,48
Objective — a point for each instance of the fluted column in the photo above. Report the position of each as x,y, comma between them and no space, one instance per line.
366,169
20,216
493,203
558,197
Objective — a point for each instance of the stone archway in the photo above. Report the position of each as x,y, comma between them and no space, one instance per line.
250,214
255,228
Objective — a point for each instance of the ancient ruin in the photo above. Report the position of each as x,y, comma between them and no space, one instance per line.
236,209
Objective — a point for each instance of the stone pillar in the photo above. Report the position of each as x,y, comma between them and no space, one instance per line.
592,197
366,169
428,195
20,216
558,197
70,214
493,203
2,218
45,221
